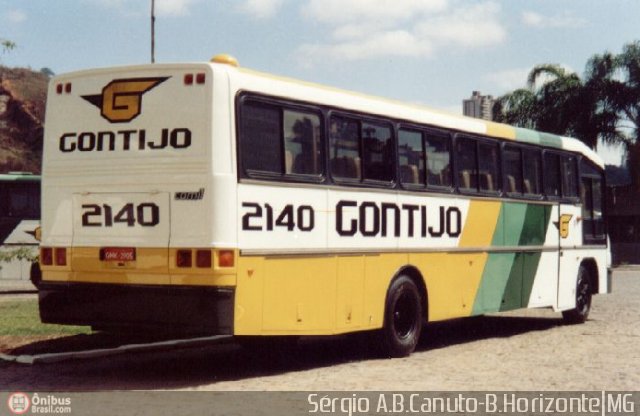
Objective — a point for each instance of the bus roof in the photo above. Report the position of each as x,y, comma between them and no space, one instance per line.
423,114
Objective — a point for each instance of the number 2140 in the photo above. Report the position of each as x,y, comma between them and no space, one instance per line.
146,214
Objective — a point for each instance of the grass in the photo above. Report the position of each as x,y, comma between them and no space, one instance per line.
21,318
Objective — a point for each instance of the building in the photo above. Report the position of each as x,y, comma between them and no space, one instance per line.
478,106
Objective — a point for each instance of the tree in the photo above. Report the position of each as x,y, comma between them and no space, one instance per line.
603,105
7,45
560,102
624,97
47,71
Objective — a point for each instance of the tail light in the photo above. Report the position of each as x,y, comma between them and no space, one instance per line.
226,258
203,259
61,256
46,256
184,258
50,256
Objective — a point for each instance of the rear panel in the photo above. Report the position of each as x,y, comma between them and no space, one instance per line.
127,168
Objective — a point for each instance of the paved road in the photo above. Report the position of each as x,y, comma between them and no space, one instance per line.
521,350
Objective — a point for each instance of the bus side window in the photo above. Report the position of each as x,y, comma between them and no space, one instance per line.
302,142
569,177
552,175
532,162
592,203
411,157
466,164
345,149
512,170
438,160
489,166
377,152
260,138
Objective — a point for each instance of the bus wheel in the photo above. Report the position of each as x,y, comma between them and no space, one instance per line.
402,318
584,292
35,275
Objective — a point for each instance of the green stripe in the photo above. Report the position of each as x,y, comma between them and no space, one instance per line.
538,138
507,279
534,233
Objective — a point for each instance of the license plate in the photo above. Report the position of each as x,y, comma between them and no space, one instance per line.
118,254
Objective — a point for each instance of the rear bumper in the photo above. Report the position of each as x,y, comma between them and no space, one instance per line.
180,309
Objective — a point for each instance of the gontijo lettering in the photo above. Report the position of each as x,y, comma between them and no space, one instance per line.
179,138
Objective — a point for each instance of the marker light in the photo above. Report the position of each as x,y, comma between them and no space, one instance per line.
188,79
67,87
59,88
200,78
225,59
184,258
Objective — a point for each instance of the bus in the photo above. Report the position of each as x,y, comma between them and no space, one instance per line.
208,198
19,218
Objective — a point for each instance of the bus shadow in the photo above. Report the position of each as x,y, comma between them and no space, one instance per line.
210,364
460,331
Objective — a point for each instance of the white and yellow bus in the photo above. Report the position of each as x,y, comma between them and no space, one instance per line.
213,199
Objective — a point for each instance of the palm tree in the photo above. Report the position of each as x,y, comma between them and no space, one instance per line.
624,97
548,103
557,96
560,102
518,108
7,45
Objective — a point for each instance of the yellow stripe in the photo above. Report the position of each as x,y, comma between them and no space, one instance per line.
480,224
503,131
478,231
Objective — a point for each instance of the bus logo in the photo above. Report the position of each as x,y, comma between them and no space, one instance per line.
121,99
563,225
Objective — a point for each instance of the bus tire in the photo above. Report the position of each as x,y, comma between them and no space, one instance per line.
584,291
402,318
35,275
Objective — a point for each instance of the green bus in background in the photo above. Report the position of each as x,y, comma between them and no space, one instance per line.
19,218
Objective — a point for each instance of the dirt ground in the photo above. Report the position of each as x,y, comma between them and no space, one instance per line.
521,350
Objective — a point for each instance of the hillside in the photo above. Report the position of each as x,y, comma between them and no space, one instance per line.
22,103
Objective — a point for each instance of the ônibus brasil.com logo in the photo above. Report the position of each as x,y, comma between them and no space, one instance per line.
19,403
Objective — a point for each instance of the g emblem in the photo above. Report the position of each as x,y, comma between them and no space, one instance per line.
121,99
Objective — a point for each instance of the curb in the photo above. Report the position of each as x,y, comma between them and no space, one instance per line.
50,358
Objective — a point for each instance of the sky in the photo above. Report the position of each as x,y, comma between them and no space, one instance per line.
431,52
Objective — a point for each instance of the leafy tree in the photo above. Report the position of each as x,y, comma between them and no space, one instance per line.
603,105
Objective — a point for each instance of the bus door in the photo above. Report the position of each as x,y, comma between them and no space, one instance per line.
570,233
114,233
